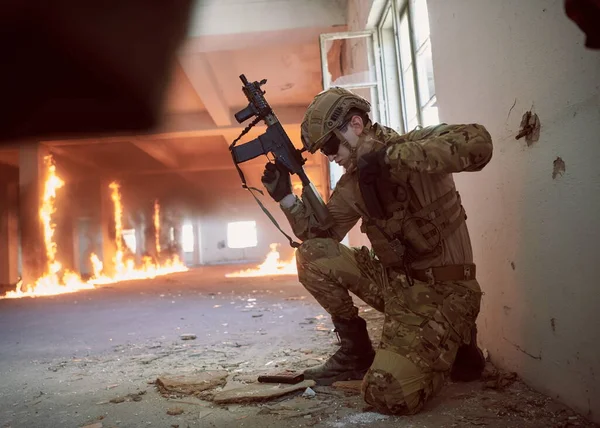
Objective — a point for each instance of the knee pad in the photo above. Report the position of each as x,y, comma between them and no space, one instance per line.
395,385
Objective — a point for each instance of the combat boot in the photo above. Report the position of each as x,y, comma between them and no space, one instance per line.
470,361
352,360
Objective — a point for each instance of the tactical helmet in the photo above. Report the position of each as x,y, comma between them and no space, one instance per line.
326,113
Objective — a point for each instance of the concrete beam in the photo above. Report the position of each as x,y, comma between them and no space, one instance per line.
82,160
159,150
264,39
231,17
202,77
190,125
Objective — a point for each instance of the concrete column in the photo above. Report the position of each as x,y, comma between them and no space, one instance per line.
139,241
9,233
149,248
65,234
107,225
197,242
76,231
32,171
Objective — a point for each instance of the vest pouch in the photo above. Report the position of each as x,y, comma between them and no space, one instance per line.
388,252
416,240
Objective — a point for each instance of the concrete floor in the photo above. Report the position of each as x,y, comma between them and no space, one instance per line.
64,358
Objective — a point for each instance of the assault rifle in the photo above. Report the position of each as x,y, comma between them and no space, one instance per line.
276,142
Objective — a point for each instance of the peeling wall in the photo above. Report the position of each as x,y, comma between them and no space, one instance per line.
533,211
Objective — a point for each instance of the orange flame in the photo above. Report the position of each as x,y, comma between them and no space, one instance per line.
115,195
58,281
125,269
271,266
157,226
53,281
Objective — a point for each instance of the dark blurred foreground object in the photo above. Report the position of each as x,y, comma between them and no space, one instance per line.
586,14
82,67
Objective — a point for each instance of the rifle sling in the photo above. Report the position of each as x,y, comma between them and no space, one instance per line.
293,243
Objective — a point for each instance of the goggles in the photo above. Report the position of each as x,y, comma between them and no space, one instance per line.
332,145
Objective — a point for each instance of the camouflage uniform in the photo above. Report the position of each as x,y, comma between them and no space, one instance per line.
426,319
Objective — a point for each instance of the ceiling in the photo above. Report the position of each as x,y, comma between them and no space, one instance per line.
205,89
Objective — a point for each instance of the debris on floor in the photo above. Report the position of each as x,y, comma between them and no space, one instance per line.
187,336
174,411
348,385
258,392
309,393
129,397
191,384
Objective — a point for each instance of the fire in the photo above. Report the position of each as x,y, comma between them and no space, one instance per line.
58,281
157,226
53,281
125,269
271,266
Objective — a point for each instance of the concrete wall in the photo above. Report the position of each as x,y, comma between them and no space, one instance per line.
536,236
232,203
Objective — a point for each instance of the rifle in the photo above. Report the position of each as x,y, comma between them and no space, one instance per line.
274,141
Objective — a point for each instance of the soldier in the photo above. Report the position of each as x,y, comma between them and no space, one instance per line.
419,271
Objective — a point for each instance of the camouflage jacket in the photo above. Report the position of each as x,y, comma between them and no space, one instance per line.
424,159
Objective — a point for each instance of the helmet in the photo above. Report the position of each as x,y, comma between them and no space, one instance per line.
326,113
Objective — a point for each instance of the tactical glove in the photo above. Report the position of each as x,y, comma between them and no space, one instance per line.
276,179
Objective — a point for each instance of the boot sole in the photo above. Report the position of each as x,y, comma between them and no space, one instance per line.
328,381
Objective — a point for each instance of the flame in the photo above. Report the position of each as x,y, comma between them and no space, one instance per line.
115,195
271,266
58,281
157,226
53,281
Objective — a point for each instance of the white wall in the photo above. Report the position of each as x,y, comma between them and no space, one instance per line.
536,239
228,202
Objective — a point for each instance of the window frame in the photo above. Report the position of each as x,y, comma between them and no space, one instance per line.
398,9
334,171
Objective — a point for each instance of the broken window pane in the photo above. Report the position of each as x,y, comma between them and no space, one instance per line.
350,61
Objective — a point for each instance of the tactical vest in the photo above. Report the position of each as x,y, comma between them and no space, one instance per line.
409,231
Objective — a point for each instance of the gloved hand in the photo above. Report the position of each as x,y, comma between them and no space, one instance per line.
371,166
276,179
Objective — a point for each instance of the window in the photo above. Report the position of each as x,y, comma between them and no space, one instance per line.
187,238
242,234
129,238
407,65
390,66
350,60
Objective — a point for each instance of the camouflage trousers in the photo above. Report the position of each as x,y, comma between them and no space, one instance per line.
424,324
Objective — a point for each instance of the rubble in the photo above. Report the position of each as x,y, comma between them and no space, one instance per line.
259,392
348,385
129,397
187,336
191,384
174,411
309,393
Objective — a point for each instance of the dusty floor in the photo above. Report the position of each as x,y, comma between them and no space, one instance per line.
92,358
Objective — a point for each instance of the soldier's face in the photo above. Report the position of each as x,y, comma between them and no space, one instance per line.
351,133
342,157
